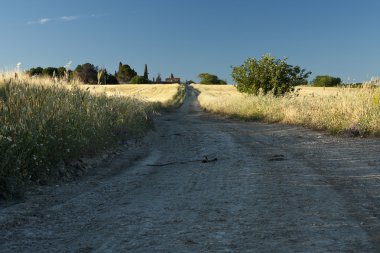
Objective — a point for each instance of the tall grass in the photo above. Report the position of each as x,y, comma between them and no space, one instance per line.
162,95
338,110
43,124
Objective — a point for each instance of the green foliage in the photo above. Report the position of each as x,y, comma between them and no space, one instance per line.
146,73
86,73
41,126
125,73
111,79
207,78
35,71
326,81
268,75
49,71
60,72
139,80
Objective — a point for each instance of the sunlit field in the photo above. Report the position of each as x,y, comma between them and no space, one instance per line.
355,111
165,94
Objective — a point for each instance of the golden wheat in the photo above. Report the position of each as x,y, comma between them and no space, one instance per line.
337,110
163,94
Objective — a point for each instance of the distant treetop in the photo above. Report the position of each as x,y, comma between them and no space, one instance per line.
326,81
206,78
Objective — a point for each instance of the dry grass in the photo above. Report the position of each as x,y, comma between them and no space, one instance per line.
162,95
338,110
44,124
166,95
43,80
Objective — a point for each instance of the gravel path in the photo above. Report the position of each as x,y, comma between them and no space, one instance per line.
200,183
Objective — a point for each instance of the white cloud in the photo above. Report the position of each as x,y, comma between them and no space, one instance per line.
67,18
97,15
41,21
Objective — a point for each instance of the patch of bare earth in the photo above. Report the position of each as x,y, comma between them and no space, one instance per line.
199,183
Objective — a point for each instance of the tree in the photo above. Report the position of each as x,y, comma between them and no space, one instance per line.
60,72
125,73
207,78
326,81
268,75
158,78
111,79
139,80
87,73
146,72
49,71
35,71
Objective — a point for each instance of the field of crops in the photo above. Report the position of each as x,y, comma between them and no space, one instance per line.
164,94
354,111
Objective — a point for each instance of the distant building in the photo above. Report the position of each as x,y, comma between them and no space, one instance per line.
172,79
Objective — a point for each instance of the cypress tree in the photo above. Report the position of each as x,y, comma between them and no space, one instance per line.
146,72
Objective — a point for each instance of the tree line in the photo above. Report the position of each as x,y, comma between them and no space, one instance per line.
90,74
254,76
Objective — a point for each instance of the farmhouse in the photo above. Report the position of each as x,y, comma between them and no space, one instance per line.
172,79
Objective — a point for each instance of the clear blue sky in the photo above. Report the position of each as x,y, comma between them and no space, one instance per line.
187,37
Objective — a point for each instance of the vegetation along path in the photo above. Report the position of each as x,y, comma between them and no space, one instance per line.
200,183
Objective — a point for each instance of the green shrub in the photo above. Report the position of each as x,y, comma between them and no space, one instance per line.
326,81
268,75
139,80
206,78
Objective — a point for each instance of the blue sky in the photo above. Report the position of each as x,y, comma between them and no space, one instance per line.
187,37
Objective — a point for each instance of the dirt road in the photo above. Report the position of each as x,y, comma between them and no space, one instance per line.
272,188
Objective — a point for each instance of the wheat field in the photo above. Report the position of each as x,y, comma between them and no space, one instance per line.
355,111
164,94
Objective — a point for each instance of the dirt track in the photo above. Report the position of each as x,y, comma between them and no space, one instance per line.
273,188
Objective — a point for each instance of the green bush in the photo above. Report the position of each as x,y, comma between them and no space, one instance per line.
206,78
268,75
139,80
326,81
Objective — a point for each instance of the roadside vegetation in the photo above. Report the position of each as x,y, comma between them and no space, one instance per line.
44,123
353,111
269,90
